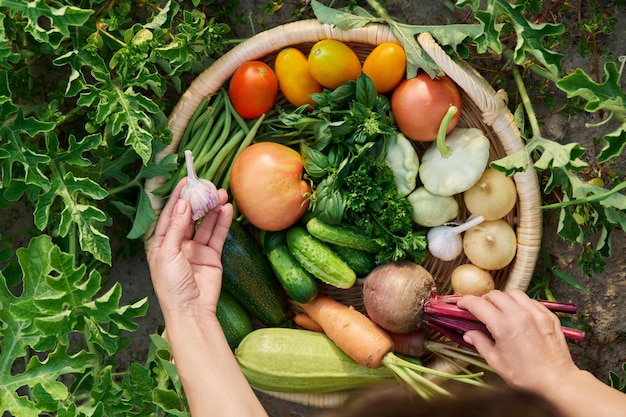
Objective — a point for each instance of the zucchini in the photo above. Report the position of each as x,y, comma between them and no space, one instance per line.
248,277
360,261
318,259
341,235
296,360
299,285
234,319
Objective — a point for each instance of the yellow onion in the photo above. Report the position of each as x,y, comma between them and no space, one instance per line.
490,246
470,279
493,196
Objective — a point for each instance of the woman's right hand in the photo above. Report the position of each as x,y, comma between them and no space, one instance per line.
527,347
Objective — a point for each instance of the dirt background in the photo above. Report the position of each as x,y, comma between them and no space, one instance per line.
604,348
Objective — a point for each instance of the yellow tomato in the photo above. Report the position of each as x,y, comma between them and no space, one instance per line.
332,63
294,78
385,65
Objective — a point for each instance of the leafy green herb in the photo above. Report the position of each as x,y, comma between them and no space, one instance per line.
343,145
374,205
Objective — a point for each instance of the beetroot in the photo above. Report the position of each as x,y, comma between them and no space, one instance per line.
394,295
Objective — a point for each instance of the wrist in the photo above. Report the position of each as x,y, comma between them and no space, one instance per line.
188,315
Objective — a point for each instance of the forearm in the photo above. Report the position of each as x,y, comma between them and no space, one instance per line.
213,383
580,394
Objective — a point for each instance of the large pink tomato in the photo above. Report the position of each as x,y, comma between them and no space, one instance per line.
420,104
267,185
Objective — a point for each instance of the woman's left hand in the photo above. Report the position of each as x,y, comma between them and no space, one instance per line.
185,261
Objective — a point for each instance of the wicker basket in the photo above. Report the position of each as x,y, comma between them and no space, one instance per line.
483,108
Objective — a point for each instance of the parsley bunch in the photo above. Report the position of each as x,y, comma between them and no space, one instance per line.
373,204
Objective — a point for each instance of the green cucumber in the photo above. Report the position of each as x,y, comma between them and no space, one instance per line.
341,235
249,278
299,285
295,360
360,261
318,258
234,319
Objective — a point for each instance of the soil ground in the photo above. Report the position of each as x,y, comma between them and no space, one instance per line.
604,348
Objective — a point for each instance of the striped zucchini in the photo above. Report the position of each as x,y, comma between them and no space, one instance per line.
296,360
249,278
318,259
340,235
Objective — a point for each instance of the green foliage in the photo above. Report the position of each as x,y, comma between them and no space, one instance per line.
62,324
618,382
85,87
500,17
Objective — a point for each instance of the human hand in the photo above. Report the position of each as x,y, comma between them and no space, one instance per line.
527,347
185,261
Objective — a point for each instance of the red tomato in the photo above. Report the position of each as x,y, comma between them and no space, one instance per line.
267,186
419,105
253,89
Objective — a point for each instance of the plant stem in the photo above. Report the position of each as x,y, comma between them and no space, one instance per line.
530,111
444,150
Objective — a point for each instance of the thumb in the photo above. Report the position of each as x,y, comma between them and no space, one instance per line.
178,227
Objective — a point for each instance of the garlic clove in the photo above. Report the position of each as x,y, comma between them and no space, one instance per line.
445,242
201,194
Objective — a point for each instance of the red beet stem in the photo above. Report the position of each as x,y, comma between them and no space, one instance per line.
454,323
573,334
554,306
455,336
442,311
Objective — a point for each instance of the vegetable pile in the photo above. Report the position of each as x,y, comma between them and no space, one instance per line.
349,181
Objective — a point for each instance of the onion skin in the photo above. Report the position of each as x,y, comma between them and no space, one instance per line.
468,279
394,295
490,246
493,196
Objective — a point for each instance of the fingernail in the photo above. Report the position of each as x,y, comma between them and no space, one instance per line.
181,206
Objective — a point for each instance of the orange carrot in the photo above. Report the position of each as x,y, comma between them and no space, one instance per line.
358,336
306,322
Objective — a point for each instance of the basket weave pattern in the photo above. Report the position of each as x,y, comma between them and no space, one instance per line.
483,108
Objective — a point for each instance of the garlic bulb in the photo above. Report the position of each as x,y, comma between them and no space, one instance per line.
200,193
445,242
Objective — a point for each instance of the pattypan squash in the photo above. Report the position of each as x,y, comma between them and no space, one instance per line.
430,210
403,160
454,162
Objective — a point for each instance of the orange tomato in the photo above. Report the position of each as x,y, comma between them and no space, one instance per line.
333,63
294,78
385,65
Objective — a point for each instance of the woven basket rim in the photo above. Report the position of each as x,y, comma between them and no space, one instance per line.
492,104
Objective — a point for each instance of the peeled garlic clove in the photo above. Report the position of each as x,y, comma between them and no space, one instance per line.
200,193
